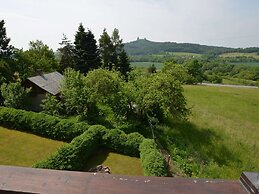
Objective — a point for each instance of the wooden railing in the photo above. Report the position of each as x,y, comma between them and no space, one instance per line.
30,180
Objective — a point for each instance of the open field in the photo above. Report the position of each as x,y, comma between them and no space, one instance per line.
222,137
23,149
254,55
146,64
185,54
119,164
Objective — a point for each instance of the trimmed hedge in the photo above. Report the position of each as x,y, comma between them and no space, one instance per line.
85,141
120,142
152,160
41,124
74,155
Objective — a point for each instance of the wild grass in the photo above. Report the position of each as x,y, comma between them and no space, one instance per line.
221,139
23,149
118,163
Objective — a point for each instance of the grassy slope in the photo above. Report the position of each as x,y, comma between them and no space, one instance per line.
22,149
119,164
254,55
222,138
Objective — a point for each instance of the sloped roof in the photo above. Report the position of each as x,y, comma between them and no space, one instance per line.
50,82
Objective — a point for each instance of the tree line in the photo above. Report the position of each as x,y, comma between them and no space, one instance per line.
84,54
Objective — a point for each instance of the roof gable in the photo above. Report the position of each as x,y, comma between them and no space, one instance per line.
50,82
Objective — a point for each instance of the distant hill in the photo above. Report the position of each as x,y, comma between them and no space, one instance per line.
147,47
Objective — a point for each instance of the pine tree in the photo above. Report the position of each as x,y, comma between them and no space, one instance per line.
66,54
106,50
86,51
123,64
6,50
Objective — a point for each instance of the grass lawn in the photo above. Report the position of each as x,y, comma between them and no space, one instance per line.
146,64
119,164
222,137
23,149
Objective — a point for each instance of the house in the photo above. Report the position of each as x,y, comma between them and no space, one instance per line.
41,85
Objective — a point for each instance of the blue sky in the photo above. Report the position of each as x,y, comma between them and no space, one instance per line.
232,23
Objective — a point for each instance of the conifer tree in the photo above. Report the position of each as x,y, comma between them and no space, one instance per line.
6,50
86,51
106,50
66,54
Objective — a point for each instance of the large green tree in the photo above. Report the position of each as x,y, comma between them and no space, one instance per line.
6,50
106,50
113,54
66,54
39,56
86,50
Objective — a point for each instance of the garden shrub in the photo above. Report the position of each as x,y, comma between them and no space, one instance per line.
120,142
74,155
41,124
152,160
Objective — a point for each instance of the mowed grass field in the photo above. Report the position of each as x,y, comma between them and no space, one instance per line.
23,149
118,163
221,139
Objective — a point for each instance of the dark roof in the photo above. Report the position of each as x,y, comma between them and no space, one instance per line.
31,180
50,82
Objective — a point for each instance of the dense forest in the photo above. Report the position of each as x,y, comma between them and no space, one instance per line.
146,47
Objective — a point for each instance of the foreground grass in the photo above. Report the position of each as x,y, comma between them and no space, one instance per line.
221,138
119,164
23,149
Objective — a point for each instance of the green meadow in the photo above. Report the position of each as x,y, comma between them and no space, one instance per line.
146,64
221,138
118,163
23,149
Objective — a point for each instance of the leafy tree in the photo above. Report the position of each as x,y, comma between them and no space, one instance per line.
158,95
14,94
179,72
194,69
51,105
39,56
74,93
106,50
106,87
66,54
6,50
86,51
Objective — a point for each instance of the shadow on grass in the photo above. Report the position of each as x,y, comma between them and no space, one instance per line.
203,144
97,158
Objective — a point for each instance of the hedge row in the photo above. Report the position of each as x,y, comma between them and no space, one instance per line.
86,140
74,155
41,124
152,160
123,143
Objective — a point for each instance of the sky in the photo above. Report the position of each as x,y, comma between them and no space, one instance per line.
230,23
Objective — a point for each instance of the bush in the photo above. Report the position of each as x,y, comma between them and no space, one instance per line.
152,160
41,124
14,94
122,143
74,155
